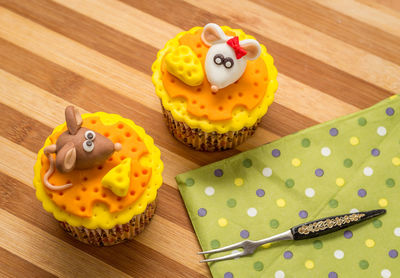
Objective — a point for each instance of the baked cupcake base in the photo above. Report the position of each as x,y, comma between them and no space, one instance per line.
207,141
118,234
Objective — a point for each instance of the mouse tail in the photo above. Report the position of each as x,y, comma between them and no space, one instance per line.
48,151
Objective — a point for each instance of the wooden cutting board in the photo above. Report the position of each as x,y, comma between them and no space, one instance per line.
333,57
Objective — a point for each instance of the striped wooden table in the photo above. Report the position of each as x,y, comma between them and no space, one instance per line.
334,58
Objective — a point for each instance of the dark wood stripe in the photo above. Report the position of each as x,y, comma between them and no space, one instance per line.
14,266
170,206
339,26
84,93
132,257
280,120
22,130
289,61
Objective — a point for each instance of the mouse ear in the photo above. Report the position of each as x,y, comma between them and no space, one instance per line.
73,119
252,48
66,158
213,34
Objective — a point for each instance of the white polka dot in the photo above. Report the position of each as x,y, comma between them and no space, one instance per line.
381,131
209,191
354,210
325,151
385,273
279,274
339,254
252,212
267,172
310,192
397,231
368,171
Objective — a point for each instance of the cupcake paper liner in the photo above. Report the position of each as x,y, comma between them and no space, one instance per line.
207,141
118,234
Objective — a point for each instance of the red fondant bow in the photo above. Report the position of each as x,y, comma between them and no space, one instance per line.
234,43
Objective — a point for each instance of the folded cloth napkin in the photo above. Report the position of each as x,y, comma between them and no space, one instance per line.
346,165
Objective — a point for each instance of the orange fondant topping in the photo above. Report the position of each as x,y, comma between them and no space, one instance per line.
87,188
248,91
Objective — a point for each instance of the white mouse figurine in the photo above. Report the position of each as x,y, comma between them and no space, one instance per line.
227,57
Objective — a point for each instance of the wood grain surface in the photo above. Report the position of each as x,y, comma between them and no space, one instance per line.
333,57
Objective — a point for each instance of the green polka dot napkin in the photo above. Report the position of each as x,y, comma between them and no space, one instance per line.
338,167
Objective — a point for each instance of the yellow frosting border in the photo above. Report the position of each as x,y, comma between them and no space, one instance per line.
102,218
241,117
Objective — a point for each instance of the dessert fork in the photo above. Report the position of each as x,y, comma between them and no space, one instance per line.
307,230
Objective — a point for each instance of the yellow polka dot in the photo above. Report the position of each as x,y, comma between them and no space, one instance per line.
309,264
383,202
370,243
396,161
238,182
296,162
354,141
266,245
222,222
340,182
281,203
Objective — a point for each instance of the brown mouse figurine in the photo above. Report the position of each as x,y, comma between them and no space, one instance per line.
77,148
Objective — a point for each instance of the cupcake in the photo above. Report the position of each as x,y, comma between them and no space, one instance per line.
98,174
215,84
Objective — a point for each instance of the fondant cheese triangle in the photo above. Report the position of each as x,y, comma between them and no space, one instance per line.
118,178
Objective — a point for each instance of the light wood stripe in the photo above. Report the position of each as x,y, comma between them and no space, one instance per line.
365,14
314,104
22,164
322,47
125,19
47,252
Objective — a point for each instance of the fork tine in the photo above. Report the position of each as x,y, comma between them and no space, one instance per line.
226,248
227,257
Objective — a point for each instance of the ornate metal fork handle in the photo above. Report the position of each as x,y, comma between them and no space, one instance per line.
307,230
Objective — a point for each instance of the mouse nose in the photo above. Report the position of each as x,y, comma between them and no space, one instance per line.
214,89
117,146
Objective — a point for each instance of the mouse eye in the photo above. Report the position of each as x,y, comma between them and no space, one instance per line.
218,59
88,146
228,62
90,135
